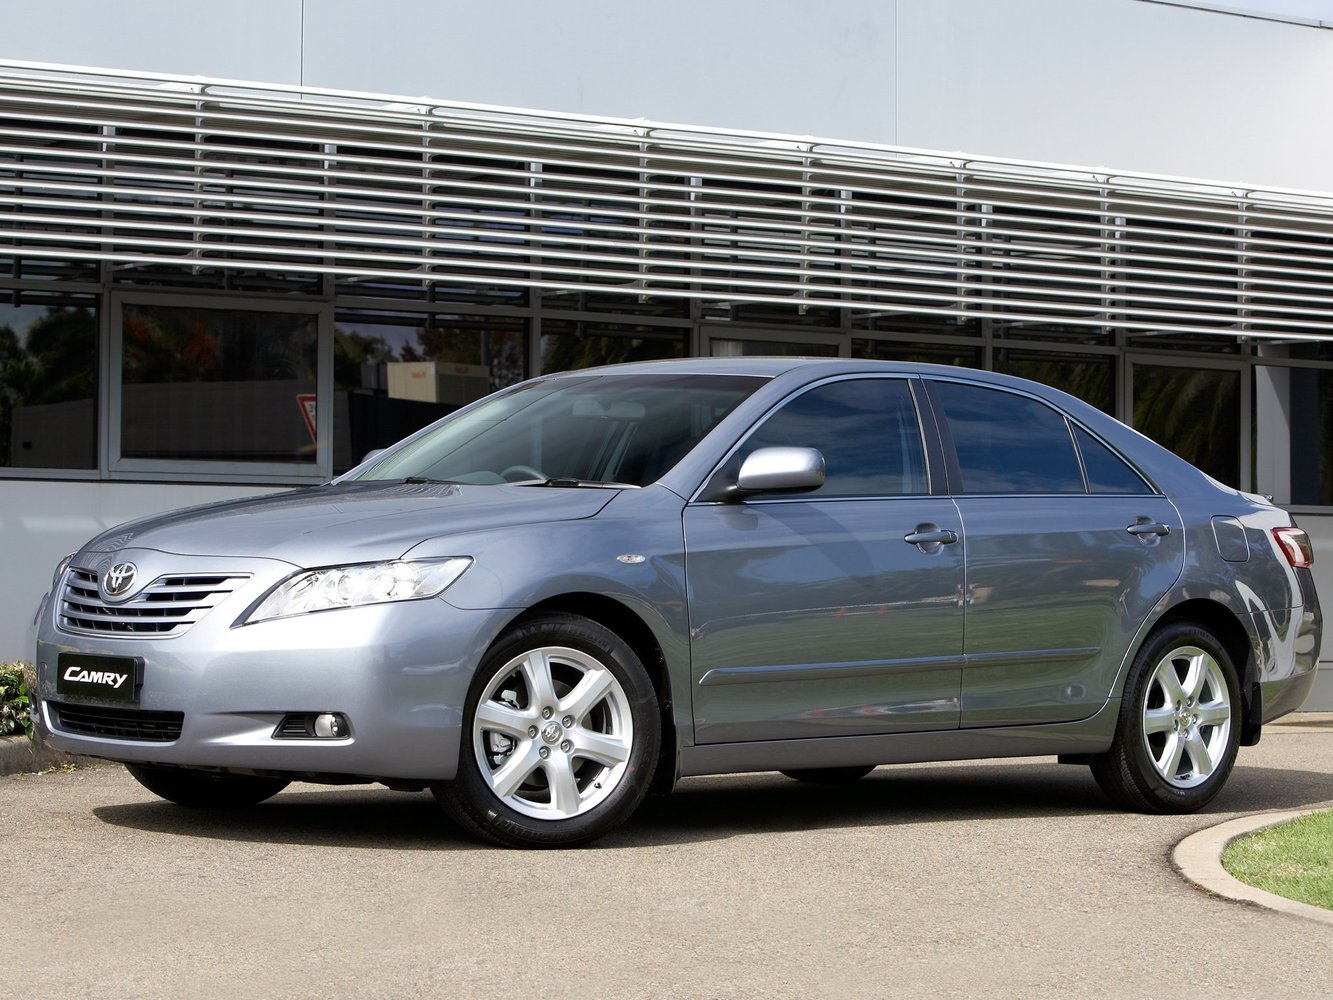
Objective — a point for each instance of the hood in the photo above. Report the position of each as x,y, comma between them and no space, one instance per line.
354,522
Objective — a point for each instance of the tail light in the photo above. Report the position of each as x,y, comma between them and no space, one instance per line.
1295,545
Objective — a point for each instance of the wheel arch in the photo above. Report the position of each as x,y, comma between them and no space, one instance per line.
1232,634
629,626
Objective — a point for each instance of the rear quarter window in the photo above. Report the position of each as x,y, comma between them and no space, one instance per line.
1107,471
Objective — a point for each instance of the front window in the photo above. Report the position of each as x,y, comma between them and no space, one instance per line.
617,429
866,429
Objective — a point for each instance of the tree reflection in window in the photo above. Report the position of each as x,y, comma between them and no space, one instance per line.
48,386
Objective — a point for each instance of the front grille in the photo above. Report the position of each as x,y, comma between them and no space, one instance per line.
118,723
166,607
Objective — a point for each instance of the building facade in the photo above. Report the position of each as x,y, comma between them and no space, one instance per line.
210,288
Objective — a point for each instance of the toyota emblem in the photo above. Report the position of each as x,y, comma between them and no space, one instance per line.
118,579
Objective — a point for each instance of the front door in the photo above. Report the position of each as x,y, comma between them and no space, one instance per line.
813,615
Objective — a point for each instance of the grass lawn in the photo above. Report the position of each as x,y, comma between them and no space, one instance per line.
1293,860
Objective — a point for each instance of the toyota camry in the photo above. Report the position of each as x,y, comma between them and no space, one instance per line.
589,585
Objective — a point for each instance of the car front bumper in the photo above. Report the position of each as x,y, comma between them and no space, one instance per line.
399,674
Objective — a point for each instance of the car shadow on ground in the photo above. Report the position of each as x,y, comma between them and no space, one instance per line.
713,808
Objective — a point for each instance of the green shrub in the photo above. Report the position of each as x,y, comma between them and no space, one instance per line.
14,714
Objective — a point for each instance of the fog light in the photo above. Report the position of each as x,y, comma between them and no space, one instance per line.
331,726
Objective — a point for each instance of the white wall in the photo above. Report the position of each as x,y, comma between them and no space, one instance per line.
238,39
42,522
1119,84
762,65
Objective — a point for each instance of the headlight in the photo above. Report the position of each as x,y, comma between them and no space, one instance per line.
60,571
354,586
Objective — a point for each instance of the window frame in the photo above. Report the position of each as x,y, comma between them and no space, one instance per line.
172,470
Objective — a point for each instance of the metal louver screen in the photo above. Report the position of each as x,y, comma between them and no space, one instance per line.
97,166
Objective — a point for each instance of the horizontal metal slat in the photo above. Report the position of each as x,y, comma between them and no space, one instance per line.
197,174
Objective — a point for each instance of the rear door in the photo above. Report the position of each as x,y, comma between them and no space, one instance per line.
813,615
1069,549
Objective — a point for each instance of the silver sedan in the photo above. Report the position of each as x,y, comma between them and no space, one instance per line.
591,584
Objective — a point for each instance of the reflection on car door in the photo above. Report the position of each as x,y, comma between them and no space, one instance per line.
812,615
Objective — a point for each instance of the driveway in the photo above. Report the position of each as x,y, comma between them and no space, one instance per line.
1012,878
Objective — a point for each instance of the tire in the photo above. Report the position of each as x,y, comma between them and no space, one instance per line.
205,789
1179,728
561,734
831,775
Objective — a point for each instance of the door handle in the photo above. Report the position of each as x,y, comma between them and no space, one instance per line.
929,534
1143,526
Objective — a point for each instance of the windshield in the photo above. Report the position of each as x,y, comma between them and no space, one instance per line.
599,429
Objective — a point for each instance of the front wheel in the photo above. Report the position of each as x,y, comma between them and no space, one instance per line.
560,736
1177,737
205,789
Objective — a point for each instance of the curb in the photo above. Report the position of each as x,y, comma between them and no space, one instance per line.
1199,858
19,755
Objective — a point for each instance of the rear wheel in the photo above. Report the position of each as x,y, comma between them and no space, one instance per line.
560,736
1178,733
831,775
205,789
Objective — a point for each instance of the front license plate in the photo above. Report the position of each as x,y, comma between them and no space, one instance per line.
110,678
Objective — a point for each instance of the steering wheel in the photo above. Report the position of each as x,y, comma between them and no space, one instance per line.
518,473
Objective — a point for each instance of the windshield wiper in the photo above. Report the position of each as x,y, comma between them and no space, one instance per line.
564,483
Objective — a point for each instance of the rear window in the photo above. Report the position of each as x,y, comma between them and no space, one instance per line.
1008,443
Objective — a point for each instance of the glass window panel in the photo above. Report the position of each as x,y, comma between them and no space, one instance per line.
1053,333
719,347
620,303
568,345
773,314
48,383
1008,443
396,372
217,385
1107,471
1090,377
918,353
1193,411
1310,351
913,325
1195,343
866,429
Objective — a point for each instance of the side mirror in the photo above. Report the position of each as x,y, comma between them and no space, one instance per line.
372,454
779,470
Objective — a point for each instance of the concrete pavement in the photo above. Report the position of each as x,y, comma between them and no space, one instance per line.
1006,878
